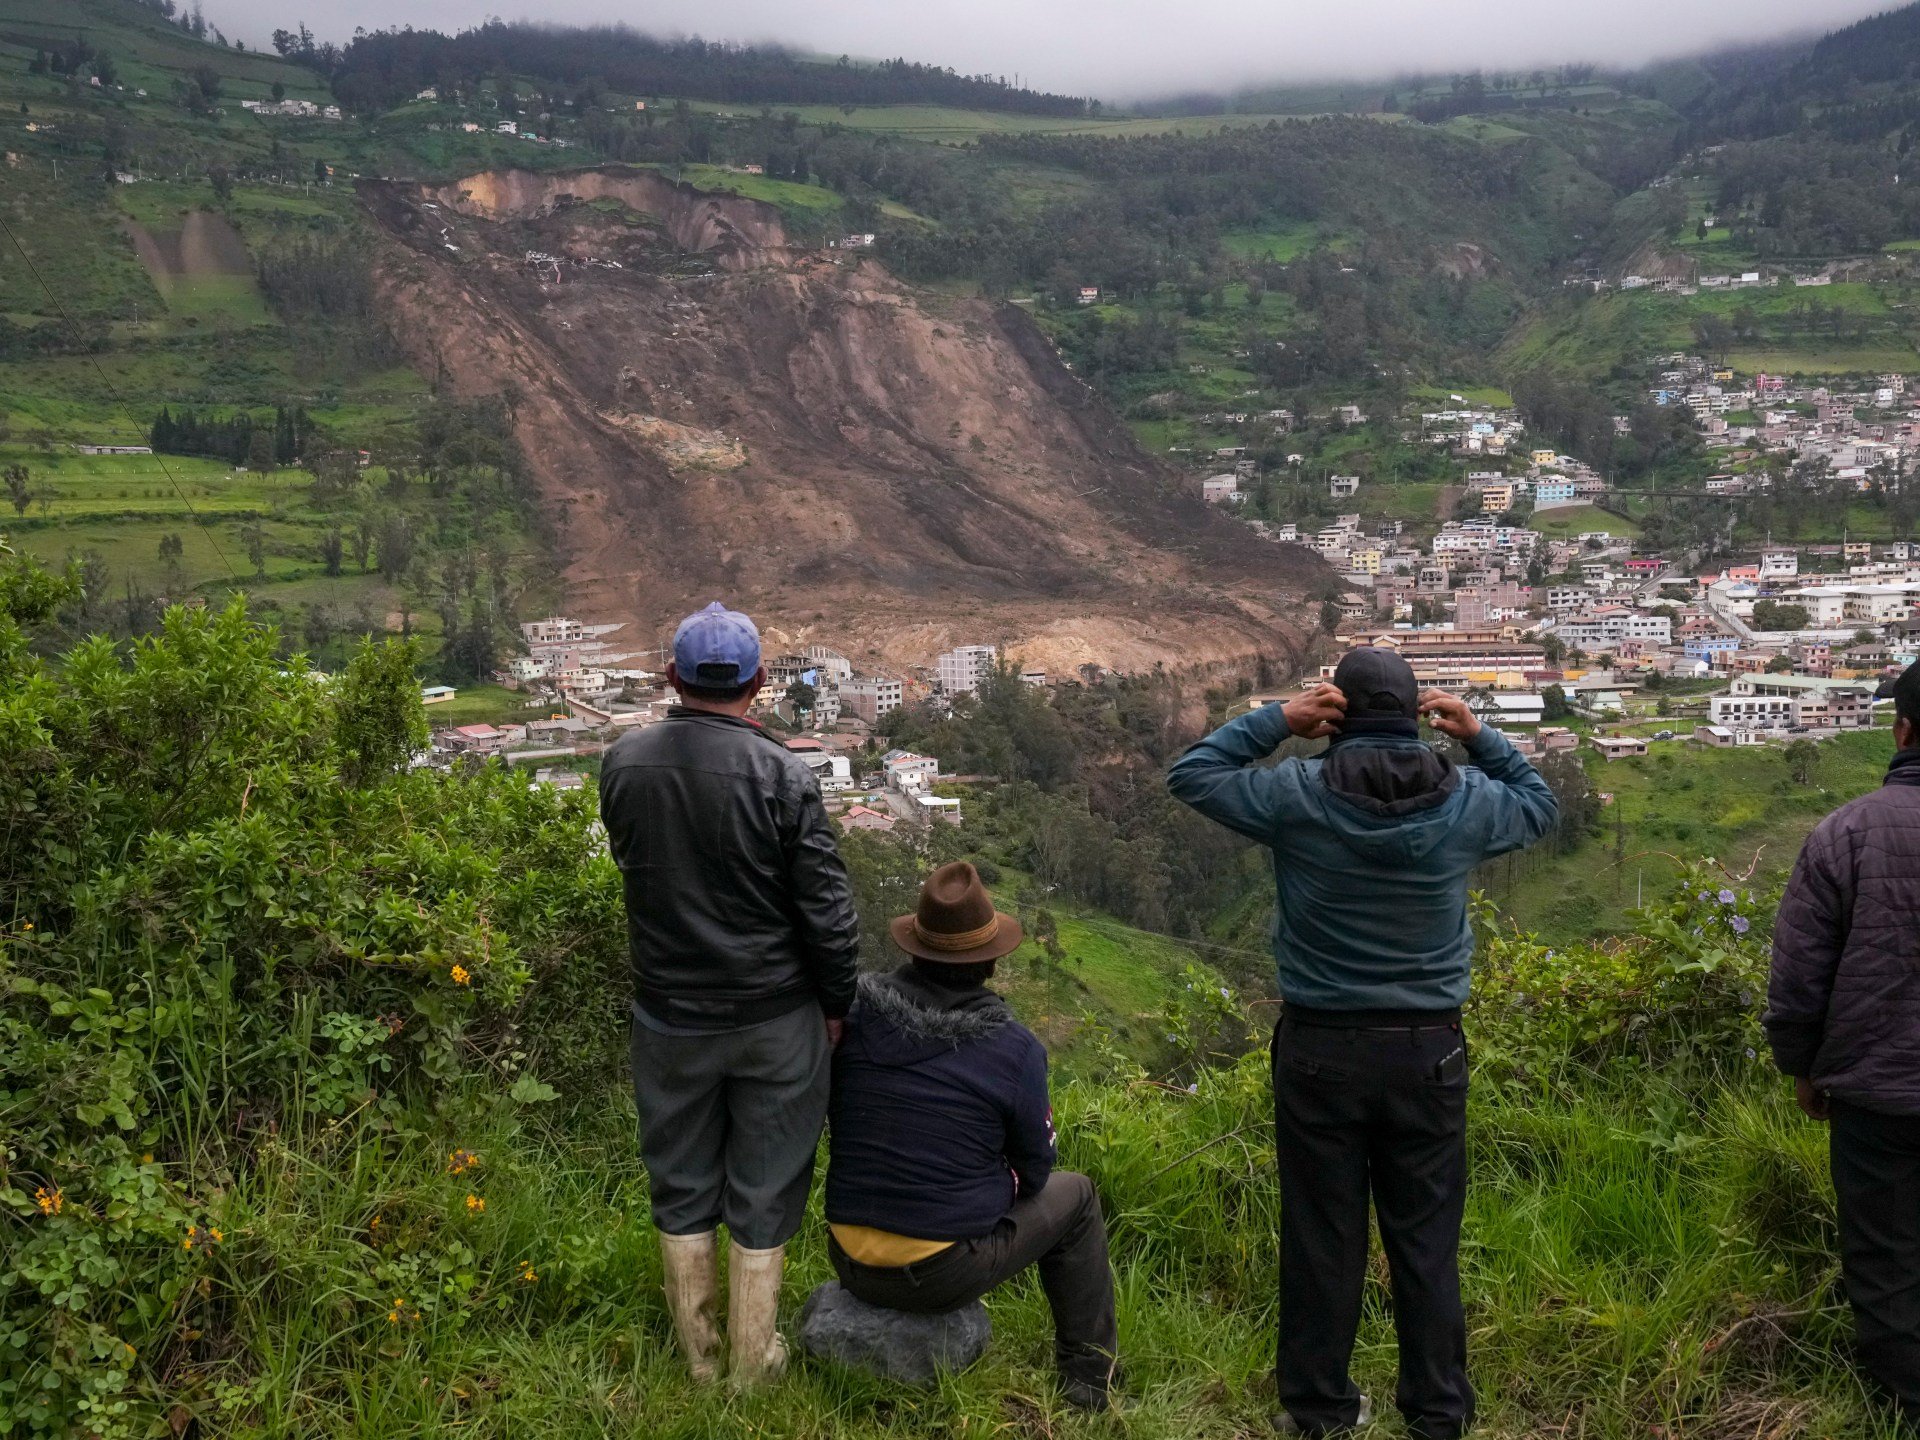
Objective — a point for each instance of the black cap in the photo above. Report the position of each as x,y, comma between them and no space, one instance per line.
1904,690
1378,684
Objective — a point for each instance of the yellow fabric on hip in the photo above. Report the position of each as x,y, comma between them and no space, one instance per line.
881,1248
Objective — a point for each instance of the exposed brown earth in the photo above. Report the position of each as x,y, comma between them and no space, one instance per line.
711,412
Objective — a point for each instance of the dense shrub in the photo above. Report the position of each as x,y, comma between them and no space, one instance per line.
229,909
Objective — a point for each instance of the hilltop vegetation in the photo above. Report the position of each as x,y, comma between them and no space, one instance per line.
1245,263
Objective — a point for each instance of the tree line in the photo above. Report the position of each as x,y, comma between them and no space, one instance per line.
378,70
238,438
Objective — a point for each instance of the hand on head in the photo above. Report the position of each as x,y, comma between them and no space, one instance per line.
1317,713
1449,714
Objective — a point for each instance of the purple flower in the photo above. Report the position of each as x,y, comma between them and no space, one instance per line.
1726,897
1704,897
1741,924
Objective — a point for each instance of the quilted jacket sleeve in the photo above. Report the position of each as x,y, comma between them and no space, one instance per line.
1808,937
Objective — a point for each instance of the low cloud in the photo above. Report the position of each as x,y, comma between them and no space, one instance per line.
1122,49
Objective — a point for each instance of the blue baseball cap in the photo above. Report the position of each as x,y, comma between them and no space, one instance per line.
716,647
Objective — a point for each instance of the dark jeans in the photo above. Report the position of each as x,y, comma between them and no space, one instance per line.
1380,1112
1060,1231
1876,1177
729,1123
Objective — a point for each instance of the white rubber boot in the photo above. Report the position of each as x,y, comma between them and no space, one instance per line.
692,1265
758,1354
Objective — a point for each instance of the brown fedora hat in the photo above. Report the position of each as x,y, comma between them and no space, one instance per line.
956,923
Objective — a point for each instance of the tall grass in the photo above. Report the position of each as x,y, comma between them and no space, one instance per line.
1641,1259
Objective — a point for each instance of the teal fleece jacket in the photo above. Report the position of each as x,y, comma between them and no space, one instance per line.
1371,899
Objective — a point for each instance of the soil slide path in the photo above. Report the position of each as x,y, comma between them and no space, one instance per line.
713,412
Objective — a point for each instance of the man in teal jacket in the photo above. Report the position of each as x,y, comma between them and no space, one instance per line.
1372,846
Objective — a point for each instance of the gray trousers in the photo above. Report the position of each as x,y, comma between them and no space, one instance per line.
729,1123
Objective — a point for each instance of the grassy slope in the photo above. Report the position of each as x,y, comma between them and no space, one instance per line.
1596,334
1737,805
1566,521
1617,1240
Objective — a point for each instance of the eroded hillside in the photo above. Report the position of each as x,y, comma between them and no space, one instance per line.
710,410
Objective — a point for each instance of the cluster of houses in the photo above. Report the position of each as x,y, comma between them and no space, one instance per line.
1633,623
1858,434
292,109
837,716
1691,280
1470,430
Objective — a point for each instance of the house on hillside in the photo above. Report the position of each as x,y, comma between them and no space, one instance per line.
1619,747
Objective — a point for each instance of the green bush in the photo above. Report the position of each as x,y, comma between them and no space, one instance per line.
229,909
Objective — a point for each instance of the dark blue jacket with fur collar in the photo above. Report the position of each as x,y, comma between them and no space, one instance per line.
940,1115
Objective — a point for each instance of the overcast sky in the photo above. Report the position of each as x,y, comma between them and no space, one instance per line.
1122,49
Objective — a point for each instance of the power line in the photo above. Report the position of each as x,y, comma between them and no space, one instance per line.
114,394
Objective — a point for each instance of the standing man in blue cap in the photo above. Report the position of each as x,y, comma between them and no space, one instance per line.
1372,846
741,924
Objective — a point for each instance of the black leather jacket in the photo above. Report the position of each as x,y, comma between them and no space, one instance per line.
738,904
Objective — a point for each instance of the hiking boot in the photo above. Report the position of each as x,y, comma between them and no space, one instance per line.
758,1354
1098,1394
1285,1424
692,1266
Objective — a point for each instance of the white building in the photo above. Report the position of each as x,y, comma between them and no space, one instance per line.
833,771
960,670
909,773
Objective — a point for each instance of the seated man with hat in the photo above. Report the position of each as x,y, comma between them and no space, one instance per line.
940,1181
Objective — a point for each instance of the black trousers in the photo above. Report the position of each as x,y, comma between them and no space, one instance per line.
1876,1178
1060,1231
1378,1113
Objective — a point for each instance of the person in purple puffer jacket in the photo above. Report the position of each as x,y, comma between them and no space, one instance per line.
1843,1017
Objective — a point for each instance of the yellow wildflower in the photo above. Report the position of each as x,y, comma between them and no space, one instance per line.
527,1277
217,1236
476,1204
459,974
51,1202
147,1158
461,1161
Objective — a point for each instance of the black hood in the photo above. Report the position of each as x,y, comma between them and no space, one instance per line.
900,1019
1390,779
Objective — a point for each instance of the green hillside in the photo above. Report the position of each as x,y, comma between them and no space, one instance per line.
1682,801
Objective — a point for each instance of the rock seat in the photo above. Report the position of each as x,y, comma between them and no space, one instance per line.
890,1344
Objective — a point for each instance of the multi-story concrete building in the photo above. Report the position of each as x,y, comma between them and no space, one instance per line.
960,670
869,697
834,667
